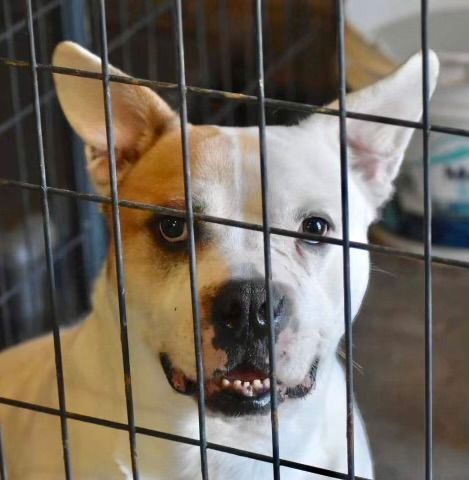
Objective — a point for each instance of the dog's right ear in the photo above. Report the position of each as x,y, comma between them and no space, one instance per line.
139,115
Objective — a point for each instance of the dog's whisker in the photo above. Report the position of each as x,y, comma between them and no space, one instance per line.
375,268
356,365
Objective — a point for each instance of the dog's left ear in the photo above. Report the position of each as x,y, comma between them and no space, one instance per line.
376,150
139,115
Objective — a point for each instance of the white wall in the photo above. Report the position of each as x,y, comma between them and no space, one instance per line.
369,15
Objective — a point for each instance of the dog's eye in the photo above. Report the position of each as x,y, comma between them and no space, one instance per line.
173,229
315,225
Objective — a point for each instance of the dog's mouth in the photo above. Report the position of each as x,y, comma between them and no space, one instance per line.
242,390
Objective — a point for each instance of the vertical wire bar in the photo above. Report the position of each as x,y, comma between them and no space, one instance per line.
345,237
3,467
117,238
190,236
48,247
266,237
427,248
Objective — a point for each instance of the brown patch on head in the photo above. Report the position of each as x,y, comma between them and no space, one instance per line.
158,176
157,179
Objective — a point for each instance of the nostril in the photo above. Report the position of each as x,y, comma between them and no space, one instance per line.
233,314
262,314
279,308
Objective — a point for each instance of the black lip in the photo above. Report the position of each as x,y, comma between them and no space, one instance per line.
190,386
231,404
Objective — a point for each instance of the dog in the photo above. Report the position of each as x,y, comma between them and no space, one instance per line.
307,289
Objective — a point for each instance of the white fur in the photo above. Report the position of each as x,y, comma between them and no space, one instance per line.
304,173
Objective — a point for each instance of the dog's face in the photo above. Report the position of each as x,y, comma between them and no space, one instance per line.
304,195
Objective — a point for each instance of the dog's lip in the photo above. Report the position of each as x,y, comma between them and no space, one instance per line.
244,383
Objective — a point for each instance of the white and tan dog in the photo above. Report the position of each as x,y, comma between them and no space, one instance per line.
304,175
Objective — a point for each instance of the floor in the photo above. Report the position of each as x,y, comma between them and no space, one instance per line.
389,379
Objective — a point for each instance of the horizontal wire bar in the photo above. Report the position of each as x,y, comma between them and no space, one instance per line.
239,97
371,247
172,437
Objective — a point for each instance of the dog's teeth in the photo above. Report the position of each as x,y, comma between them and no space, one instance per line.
246,384
257,383
225,383
237,383
266,383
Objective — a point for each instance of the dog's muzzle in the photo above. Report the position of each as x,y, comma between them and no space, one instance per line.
241,324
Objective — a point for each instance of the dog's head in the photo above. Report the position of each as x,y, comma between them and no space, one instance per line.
304,175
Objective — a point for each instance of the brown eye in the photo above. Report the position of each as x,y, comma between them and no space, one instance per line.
173,229
316,226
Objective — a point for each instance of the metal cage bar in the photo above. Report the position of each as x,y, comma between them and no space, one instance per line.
427,203
181,72
266,237
117,239
48,247
344,191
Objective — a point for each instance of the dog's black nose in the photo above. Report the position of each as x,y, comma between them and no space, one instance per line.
240,307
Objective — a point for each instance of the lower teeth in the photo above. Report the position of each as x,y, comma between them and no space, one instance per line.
247,389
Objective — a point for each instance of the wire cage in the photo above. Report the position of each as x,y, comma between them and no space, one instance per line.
54,240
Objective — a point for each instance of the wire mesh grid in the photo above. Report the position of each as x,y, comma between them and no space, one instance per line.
48,192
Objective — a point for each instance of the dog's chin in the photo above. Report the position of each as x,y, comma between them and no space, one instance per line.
243,390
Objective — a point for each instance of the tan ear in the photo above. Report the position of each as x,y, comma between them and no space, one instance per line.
139,115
